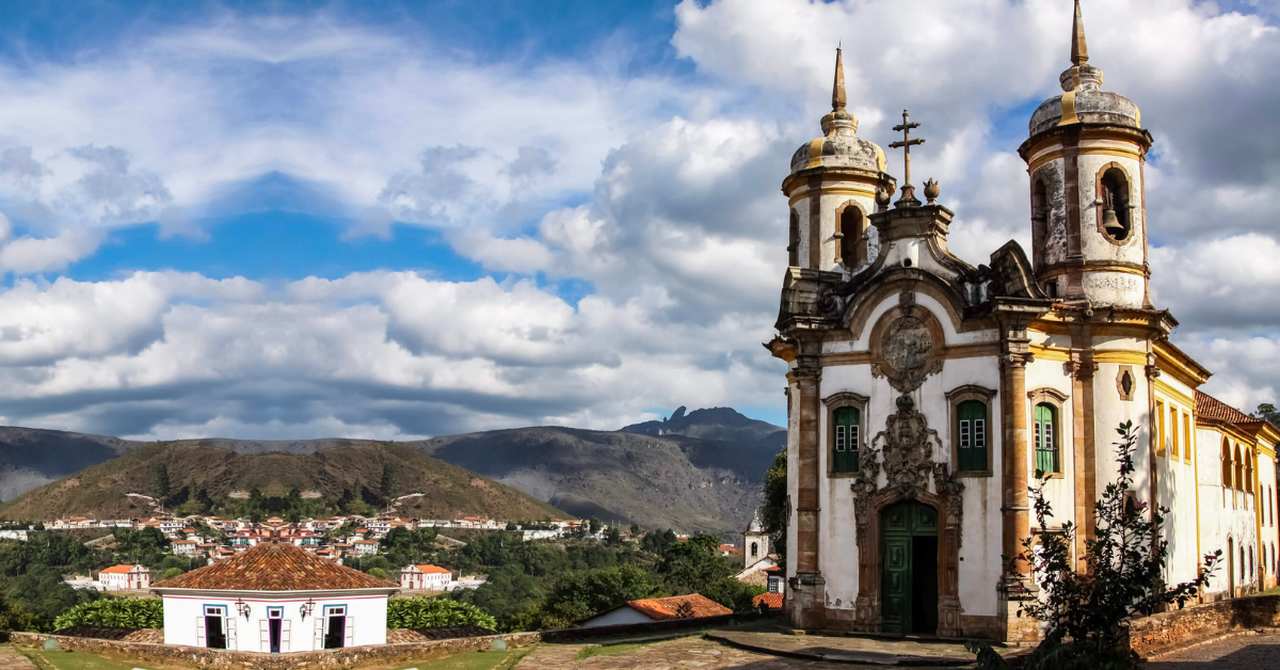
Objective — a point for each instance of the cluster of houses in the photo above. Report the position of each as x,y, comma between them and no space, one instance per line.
316,535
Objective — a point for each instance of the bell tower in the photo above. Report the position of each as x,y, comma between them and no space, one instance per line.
832,192
1086,156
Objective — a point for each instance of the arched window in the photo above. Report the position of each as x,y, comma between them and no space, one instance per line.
1238,461
755,549
1250,563
972,436
1039,219
1248,472
1226,465
793,240
1114,202
850,245
1190,435
1046,438
848,422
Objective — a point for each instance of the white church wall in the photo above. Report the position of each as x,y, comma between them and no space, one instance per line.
1176,477
830,202
1107,287
1109,411
1266,504
1059,490
1226,516
839,551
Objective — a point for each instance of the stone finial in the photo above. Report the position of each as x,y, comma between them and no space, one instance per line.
838,99
1079,48
932,190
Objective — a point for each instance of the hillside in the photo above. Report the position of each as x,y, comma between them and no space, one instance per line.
327,470
694,471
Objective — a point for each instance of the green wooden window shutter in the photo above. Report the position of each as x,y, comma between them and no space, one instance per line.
1046,438
844,456
972,428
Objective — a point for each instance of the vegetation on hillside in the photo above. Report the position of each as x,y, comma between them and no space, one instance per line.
542,585
198,478
424,613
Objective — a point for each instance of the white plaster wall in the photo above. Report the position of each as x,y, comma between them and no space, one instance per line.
1176,482
980,548
366,613
949,332
1223,513
830,202
1111,287
1109,411
1059,490
1270,538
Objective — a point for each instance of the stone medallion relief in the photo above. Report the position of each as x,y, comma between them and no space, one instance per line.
906,345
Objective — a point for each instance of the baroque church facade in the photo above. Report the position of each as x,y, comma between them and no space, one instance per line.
925,393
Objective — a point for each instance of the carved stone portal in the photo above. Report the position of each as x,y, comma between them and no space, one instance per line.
904,451
906,345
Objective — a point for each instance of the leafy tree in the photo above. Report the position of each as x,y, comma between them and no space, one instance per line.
658,541
124,613
689,567
582,595
773,513
147,546
613,537
1269,412
387,483
424,613
42,593
1086,613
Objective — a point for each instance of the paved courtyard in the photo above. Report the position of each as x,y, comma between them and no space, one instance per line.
10,659
1239,652
683,653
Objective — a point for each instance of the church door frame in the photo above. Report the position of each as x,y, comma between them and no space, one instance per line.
867,615
904,583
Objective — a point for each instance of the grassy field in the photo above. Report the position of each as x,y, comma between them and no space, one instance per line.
77,660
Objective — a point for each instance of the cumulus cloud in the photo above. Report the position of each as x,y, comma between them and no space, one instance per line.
655,191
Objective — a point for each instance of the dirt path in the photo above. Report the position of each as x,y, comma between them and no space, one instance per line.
10,659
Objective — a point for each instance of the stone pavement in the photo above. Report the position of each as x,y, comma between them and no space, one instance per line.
847,649
10,659
678,654
1250,651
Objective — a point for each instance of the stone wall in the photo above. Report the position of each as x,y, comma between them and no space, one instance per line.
1170,630
213,659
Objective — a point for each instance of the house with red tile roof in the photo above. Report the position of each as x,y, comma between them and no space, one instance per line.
425,577
124,577
651,610
275,598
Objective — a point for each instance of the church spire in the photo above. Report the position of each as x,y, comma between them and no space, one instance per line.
1079,48
838,100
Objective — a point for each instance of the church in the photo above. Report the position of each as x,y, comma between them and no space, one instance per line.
924,393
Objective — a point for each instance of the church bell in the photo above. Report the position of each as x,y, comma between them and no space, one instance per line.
1111,222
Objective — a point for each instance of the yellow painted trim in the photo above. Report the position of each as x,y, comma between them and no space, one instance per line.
1043,353
1038,161
1090,269
1195,473
1181,363
815,153
1069,109
1173,393
1120,357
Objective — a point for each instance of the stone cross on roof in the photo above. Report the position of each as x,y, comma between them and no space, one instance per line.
907,125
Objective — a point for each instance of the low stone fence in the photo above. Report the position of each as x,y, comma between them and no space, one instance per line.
332,659
1170,630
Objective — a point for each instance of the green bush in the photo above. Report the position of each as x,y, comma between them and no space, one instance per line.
420,613
128,613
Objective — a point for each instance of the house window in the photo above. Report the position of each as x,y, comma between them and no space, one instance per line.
972,434
849,236
755,549
1158,421
848,425
793,240
213,628
845,417
1113,203
1190,436
336,627
1046,439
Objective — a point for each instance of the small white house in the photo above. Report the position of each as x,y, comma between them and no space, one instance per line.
650,610
124,577
275,598
426,577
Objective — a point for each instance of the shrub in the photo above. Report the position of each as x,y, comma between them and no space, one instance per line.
127,613
423,613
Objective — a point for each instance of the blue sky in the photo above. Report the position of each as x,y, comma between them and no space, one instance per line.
403,219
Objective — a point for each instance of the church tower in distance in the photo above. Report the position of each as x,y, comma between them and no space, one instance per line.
1086,155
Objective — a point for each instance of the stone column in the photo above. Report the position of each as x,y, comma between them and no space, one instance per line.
1081,368
808,588
1016,585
